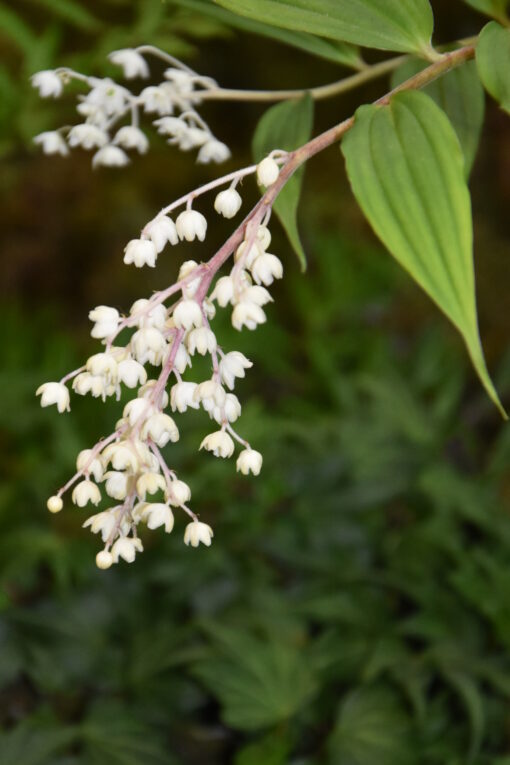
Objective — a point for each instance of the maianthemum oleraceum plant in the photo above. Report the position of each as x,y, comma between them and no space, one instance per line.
408,157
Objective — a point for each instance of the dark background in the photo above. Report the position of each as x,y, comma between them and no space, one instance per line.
354,607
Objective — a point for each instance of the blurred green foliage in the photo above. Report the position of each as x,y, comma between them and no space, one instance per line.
353,608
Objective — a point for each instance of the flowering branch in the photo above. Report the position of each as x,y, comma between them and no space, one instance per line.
129,462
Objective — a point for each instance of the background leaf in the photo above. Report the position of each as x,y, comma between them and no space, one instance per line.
493,62
371,728
407,173
399,25
260,683
286,126
340,53
496,8
460,95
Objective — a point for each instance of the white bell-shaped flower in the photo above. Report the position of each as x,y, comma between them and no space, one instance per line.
85,492
158,514
102,523
233,365
87,136
182,359
52,142
191,225
140,252
137,409
201,340
197,532
223,291
121,456
266,268
86,383
132,63
213,151
161,230
182,396
247,315
110,156
90,465
106,321
249,461
131,373
178,493
116,484
188,314
219,443
156,99
150,483
131,137
126,548
210,394
148,316
102,365
228,203
229,412
148,345
161,429
48,83
54,393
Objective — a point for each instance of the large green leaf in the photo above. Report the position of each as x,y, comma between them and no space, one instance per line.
371,730
406,169
286,126
493,62
460,94
399,25
496,8
340,53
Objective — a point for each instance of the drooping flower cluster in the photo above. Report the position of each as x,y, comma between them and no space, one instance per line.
110,113
129,465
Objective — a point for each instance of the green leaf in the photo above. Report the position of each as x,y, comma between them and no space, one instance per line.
496,8
460,94
474,704
399,25
493,62
340,53
406,169
371,728
73,12
259,683
34,743
286,126
14,28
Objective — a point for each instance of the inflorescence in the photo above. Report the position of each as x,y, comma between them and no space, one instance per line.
110,112
165,332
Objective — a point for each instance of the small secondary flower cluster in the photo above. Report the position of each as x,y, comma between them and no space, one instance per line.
129,463
107,104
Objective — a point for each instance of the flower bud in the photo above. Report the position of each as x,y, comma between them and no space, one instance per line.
104,559
267,172
55,504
